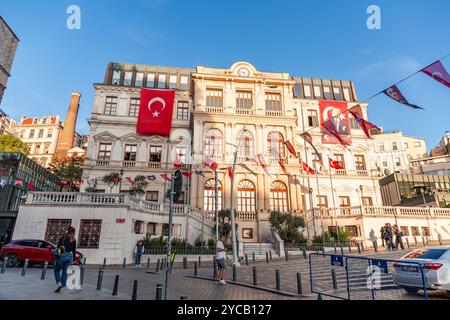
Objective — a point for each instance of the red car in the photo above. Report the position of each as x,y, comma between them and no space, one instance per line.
37,251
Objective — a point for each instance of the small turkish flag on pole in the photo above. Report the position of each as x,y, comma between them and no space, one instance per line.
211,163
155,112
335,164
291,149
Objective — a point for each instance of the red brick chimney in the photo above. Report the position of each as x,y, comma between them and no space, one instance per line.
65,141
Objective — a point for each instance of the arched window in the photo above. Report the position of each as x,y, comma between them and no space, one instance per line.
246,196
214,142
275,142
246,143
209,196
278,197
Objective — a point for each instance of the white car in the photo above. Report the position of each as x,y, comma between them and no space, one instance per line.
435,263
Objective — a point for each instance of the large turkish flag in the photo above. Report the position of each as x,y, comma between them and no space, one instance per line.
155,112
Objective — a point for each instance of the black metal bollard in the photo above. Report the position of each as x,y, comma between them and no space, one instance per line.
270,255
44,270
246,259
100,279
267,257
342,250
157,265
334,245
253,256
415,241
304,253
423,241
163,262
359,247
159,292
124,262
333,276
195,268
199,261
349,247
362,246
440,239
215,268
375,246
184,263
84,261
82,274
407,243
183,298
25,267
148,263
104,263
255,280
5,262
299,283
277,279
234,273
286,255
134,295
116,286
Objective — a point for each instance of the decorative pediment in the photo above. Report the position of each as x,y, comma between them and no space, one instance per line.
242,68
105,137
155,139
344,188
360,147
131,137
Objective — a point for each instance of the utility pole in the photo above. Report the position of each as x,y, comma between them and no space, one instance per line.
216,202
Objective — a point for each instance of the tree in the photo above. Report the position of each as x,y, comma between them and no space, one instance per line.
288,226
331,236
138,186
225,222
68,169
10,143
111,180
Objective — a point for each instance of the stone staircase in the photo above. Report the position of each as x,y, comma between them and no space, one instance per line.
259,249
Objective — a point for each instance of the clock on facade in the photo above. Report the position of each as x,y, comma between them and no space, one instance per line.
243,72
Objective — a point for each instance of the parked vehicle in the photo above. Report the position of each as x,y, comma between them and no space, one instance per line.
36,251
435,263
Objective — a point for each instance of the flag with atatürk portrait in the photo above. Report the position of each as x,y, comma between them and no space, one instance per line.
335,123
394,93
437,72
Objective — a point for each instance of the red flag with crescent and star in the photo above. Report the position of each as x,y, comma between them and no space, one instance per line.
155,112
335,123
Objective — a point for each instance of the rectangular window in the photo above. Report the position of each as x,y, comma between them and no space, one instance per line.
151,229
155,153
244,100
327,93
130,152
307,91
353,123
337,93
381,147
344,202
297,90
353,230
398,162
31,133
317,93
384,162
104,152
417,144
415,231
181,152
339,158
41,133
116,78
139,79
347,95
426,231
162,81
404,230
406,145
56,228
111,106
394,146
127,78
184,83
134,107
46,148
360,162
183,110
367,201
312,118
89,236
273,102
165,229
152,196
322,202
150,80
173,81
214,98
50,133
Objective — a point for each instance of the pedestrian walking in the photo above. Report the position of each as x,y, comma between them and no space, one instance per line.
138,251
388,236
382,235
65,255
221,260
398,238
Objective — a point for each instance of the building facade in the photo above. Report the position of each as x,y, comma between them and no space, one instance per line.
41,136
8,46
438,165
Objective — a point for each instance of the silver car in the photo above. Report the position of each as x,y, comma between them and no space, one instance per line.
435,263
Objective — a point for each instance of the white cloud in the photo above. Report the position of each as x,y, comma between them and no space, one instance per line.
398,64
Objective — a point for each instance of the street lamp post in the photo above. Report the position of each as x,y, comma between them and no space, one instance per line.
120,181
233,224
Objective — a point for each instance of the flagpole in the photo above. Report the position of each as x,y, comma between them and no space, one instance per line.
320,209
216,202
334,201
304,197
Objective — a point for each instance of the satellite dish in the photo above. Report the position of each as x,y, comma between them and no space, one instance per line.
386,172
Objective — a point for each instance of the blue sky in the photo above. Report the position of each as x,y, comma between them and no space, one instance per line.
320,38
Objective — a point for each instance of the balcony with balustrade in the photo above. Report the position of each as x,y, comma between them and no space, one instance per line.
118,164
